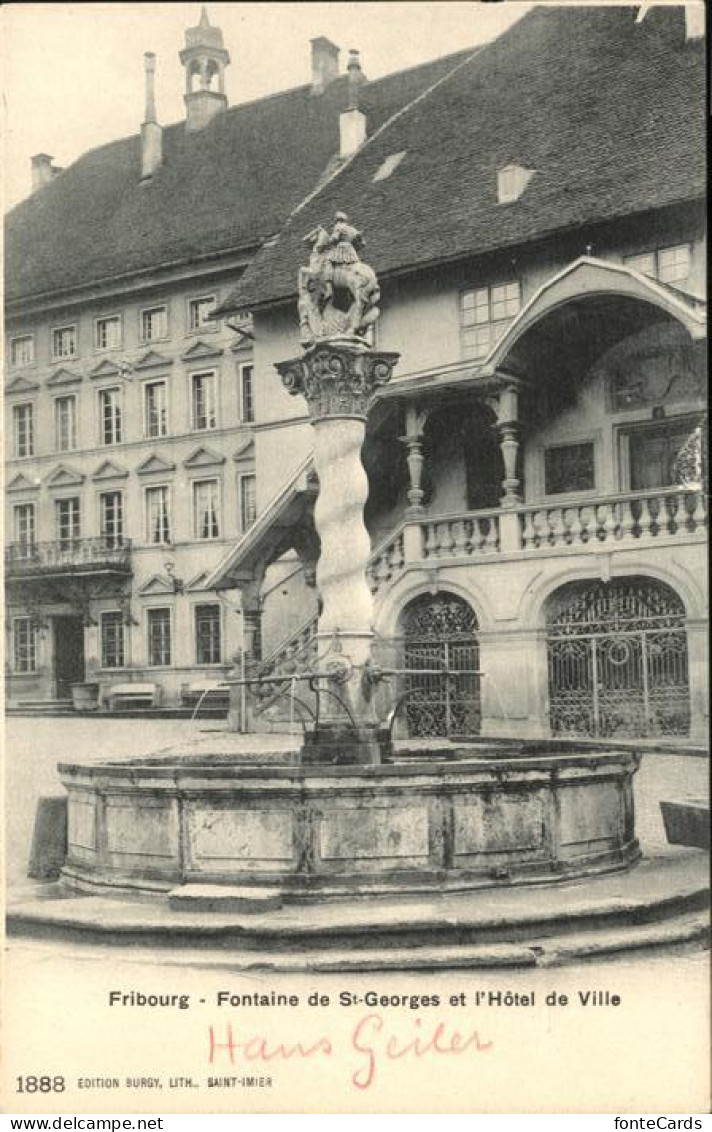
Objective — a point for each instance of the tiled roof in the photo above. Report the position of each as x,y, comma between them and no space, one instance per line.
607,111
223,188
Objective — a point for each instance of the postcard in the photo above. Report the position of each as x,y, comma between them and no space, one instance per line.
356,519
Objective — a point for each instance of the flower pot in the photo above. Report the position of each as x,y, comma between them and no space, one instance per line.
85,697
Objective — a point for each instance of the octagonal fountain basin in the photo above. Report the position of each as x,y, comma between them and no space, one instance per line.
490,815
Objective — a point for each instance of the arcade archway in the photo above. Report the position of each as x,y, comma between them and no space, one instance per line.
441,652
617,659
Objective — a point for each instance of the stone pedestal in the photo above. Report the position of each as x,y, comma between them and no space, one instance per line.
342,744
687,822
49,839
338,378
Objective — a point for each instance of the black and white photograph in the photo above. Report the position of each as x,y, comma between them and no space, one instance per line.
356,640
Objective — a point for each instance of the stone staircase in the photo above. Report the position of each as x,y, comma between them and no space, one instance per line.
298,652
662,905
273,712
39,707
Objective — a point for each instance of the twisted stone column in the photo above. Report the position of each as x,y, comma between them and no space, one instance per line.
338,517
339,378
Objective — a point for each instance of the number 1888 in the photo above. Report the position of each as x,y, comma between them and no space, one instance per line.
40,1085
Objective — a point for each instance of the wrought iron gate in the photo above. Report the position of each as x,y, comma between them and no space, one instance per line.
617,658
440,637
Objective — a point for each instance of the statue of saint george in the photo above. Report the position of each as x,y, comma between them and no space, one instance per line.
336,271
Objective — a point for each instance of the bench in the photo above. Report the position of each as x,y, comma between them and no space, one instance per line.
133,695
212,693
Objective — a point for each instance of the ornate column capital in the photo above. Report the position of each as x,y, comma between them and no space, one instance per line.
416,417
338,378
506,404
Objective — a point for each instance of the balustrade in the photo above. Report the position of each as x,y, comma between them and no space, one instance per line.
68,556
461,536
668,512
662,514
386,562
295,654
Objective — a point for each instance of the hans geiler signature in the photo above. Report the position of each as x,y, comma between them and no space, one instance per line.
370,1043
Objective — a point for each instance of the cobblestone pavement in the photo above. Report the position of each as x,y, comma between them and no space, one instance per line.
35,746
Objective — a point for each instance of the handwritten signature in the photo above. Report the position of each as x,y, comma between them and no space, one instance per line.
370,1040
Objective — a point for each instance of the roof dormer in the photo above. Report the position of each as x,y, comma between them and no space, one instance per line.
512,180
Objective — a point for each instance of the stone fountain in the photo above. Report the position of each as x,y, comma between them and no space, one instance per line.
345,816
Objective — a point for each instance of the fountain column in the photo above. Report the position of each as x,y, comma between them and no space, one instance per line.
339,378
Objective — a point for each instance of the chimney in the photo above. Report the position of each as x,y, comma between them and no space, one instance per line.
151,132
325,63
352,121
681,23
43,171
694,20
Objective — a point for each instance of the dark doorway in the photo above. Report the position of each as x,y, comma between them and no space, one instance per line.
68,654
660,456
484,470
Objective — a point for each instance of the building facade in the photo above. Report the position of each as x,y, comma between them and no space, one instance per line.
129,409
535,212
537,465
131,472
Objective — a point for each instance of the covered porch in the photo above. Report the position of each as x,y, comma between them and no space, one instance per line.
573,452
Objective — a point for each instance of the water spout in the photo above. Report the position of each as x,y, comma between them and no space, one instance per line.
202,696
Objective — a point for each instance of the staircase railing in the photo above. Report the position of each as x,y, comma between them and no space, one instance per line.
298,652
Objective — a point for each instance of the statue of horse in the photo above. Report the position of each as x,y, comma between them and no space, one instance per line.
318,315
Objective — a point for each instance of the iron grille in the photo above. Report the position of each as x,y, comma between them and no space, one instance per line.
440,638
617,660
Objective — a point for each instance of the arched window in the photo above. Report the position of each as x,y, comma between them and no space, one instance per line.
211,75
617,659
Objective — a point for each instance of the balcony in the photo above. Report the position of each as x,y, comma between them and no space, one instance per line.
75,557
665,513
663,516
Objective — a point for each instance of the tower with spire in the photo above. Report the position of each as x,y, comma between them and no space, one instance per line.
205,59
